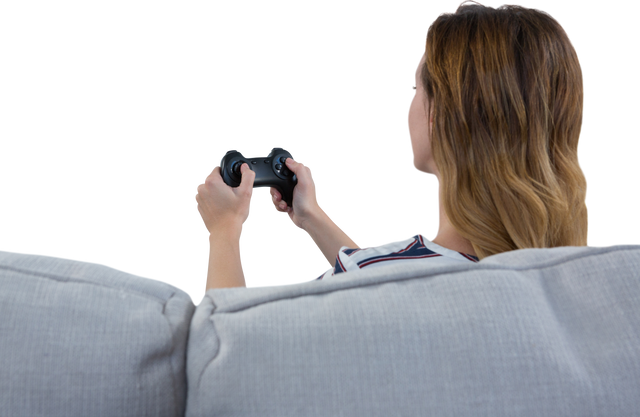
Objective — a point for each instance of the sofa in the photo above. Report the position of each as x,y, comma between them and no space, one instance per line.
540,332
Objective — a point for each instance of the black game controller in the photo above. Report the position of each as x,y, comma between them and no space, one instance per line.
270,172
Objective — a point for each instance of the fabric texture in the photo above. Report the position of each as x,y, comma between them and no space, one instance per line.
527,333
81,339
524,333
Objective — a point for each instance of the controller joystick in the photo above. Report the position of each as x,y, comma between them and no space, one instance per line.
236,168
270,172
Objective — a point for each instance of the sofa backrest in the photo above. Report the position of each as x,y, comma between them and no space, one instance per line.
80,339
529,332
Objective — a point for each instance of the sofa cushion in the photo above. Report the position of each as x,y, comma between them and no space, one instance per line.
80,339
529,332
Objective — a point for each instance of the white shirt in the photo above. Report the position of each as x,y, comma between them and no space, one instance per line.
415,249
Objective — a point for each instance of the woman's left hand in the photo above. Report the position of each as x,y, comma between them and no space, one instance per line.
222,206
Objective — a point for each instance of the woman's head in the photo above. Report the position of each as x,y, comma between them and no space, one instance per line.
503,88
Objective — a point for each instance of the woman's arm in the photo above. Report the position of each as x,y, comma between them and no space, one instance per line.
225,268
327,235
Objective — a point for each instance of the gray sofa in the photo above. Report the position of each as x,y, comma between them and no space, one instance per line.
544,332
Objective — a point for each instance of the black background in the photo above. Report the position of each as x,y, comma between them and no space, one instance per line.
116,114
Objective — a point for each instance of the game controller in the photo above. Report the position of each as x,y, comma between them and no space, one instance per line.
270,172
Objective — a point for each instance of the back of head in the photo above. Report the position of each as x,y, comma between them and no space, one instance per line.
505,86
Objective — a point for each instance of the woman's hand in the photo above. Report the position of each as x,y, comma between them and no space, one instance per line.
306,199
222,206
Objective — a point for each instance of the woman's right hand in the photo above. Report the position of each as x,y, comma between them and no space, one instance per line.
304,195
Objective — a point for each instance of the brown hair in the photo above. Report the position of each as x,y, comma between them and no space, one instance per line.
506,89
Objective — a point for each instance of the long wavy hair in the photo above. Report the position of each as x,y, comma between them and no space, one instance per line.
506,91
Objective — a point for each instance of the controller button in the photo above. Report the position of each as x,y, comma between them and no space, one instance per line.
278,167
266,161
283,159
254,162
286,172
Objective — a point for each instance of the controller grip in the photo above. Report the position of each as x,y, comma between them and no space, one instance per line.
286,194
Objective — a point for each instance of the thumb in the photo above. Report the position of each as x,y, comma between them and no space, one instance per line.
248,176
293,165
